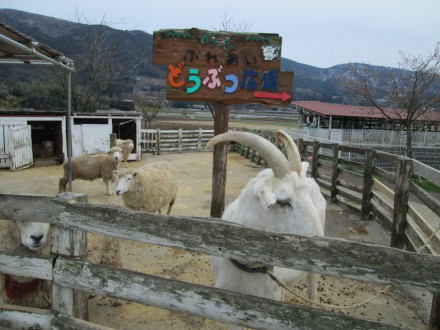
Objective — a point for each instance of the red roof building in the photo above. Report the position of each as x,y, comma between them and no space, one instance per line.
317,114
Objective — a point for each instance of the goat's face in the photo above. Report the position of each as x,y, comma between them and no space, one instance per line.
292,204
33,234
124,182
280,198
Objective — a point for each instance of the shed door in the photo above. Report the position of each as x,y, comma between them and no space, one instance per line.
21,147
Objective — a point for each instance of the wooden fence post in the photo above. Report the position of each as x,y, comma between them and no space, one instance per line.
335,173
199,140
315,160
220,159
300,145
368,184
401,196
158,141
71,244
434,321
180,140
112,140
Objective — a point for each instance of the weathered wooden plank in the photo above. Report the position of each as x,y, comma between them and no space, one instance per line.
350,186
387,175
355,150
216,237
379,186
70,323
426,198
37,266
18,317
37,207
386,157
429,173
350,163
203,301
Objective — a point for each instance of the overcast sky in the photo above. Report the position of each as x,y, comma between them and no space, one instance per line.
321,33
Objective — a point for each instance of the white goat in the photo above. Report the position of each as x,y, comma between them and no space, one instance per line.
279,199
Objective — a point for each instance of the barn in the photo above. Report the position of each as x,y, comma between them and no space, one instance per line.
90,134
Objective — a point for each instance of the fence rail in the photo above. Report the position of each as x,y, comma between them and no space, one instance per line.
212,236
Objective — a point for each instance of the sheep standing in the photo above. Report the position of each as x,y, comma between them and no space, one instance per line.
279,199
43,149
34,238
126,146
150,188
92,167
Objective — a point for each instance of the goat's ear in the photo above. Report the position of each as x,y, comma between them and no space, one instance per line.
267,198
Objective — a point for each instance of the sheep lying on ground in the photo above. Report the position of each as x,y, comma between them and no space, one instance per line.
34,238
150,188
92,167
43,149
279,199
126,146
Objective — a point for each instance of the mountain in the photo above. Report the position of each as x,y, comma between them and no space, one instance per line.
310,83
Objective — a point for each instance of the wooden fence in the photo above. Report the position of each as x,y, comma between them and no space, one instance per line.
354,183
73,278
157,140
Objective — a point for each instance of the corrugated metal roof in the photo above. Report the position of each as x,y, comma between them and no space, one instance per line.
342,110
16,47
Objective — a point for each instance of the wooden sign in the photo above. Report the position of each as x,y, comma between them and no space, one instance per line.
229,68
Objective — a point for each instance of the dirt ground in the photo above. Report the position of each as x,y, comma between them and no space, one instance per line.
397,306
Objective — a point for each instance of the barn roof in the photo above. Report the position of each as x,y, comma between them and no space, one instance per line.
342,110
18,48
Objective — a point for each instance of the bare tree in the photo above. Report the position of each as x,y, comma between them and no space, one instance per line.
104,60
413,91
149,106
229,24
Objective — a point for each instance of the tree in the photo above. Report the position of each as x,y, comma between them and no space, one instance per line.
413,91
149,106
105,62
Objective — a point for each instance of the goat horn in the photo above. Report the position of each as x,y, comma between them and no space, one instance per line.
291,150
270,153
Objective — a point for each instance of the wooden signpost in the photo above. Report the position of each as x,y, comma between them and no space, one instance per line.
222,68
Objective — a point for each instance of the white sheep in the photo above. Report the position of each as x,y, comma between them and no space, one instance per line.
279,199
150,188
92,167
34,238
43,149
126,146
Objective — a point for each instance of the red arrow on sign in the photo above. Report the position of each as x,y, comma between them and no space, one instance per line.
268,95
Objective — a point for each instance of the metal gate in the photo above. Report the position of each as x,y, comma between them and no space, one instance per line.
20,147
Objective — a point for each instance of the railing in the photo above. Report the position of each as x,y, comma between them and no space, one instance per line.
157,140
73,278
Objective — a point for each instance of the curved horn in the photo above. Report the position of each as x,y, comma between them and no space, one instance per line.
291,150
270,153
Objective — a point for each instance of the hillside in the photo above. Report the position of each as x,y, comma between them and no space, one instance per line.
310,83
